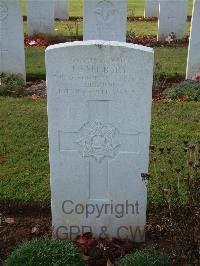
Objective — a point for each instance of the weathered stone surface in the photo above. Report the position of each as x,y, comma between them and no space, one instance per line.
61,9
99,110
12,56
105,20
151,8
193,62
172,18
40,15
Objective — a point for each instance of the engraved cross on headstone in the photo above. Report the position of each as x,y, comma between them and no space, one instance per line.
99,141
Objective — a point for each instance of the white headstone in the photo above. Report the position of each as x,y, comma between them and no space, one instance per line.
193,62
99,112
151,8
61,9
40,16
12,55
105,20
172,18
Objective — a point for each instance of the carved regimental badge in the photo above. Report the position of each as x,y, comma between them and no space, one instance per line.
98,141
105,11
3,11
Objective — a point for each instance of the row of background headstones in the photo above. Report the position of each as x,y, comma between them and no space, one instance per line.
172,17
97,25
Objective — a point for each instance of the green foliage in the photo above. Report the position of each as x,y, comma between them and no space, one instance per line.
145,257
187,89
45,252
11,85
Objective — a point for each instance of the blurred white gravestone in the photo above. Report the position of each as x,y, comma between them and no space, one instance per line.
12,55
151,8
40,16
172,18
193,62
61,9
105,20
99,116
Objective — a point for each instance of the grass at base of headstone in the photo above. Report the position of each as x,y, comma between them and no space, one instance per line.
172,125
35,63
75,28
11,85
169,62
24,171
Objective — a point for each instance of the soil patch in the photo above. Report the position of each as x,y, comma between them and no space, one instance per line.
176,232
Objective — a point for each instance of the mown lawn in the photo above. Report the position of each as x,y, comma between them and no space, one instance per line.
24,177
170,61
75,28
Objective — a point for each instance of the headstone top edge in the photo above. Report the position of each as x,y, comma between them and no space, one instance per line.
100,42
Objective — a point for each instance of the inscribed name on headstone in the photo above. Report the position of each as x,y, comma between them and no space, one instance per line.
151,8
12,55
40,16
99,113
172,18
105,20
61,9
193,62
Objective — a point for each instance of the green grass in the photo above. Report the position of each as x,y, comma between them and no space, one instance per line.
135,7
35,63
72,28
24,178
170,61
23,139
